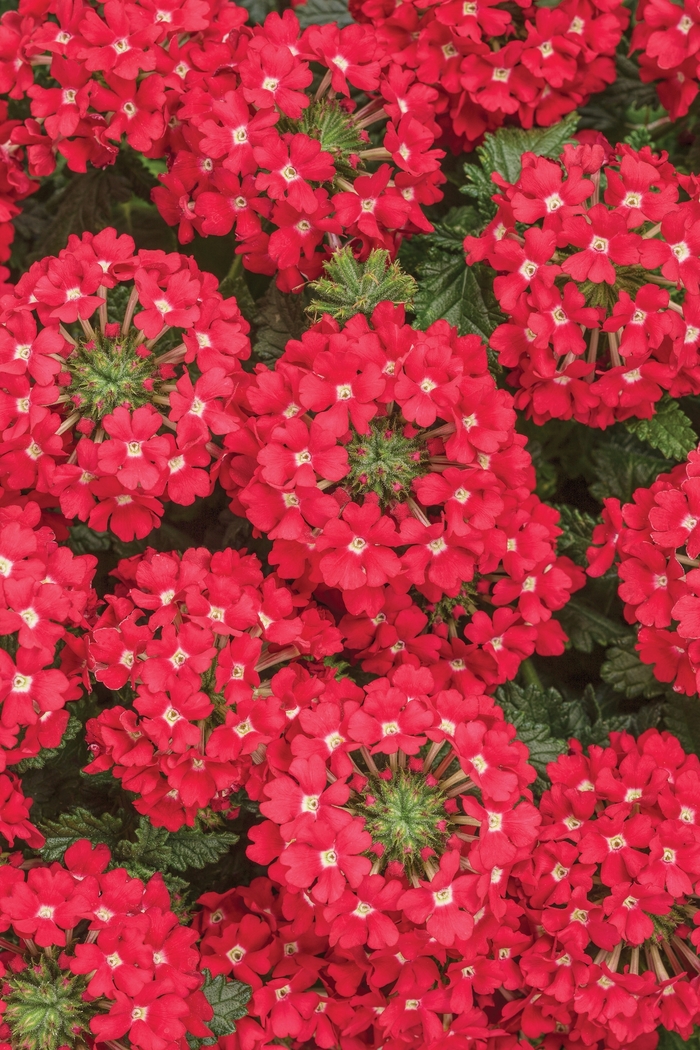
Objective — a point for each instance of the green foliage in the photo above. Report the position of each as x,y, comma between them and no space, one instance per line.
626,673
229,1000
533,711
279,317
682,718
669,430
317,12
501,152
623,464
143,849
449,289
577,528
77,824
351,287
72,731
586,626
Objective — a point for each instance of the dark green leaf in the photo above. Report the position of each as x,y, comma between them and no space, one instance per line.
502,150
669,430
190,848
280,317
448,289
318,12
229,1000
626,673
47,754
78,824
624,464
577,529
682,718
587,627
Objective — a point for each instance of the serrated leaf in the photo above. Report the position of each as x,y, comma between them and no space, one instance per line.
502,150
586,627
682,718
78,824
624,464
626,673
529,710
148,853
577,528
195,849
319,12
73,728
229,1000
669,430
462,295
280,317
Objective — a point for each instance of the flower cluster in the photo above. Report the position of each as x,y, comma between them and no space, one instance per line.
598,271
45,595
656,541
232,110
611,898
383,463
394,818
91,418
187,637
668,36
125,966
490,62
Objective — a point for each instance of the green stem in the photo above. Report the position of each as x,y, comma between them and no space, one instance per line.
530,674
234,283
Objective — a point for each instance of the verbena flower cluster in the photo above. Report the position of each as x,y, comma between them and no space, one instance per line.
45,600
654,542
572,925
383,463
116,368
200,714
255,124
597,262
89,955
490,63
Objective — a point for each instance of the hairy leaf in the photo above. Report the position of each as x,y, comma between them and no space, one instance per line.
669,430
190,848
228,1000
576,537
626,673
78,824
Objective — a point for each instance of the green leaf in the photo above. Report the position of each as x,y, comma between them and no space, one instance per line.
229,1000
529,710
586,627
626,673
674,1041
190,848
448,289
73,728
669,430
577,528
149,852
84,540
78,824
318,12
350,287
258,10
279,317
682,718
502,151
624,464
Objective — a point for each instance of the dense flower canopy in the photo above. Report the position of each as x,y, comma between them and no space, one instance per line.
349,525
